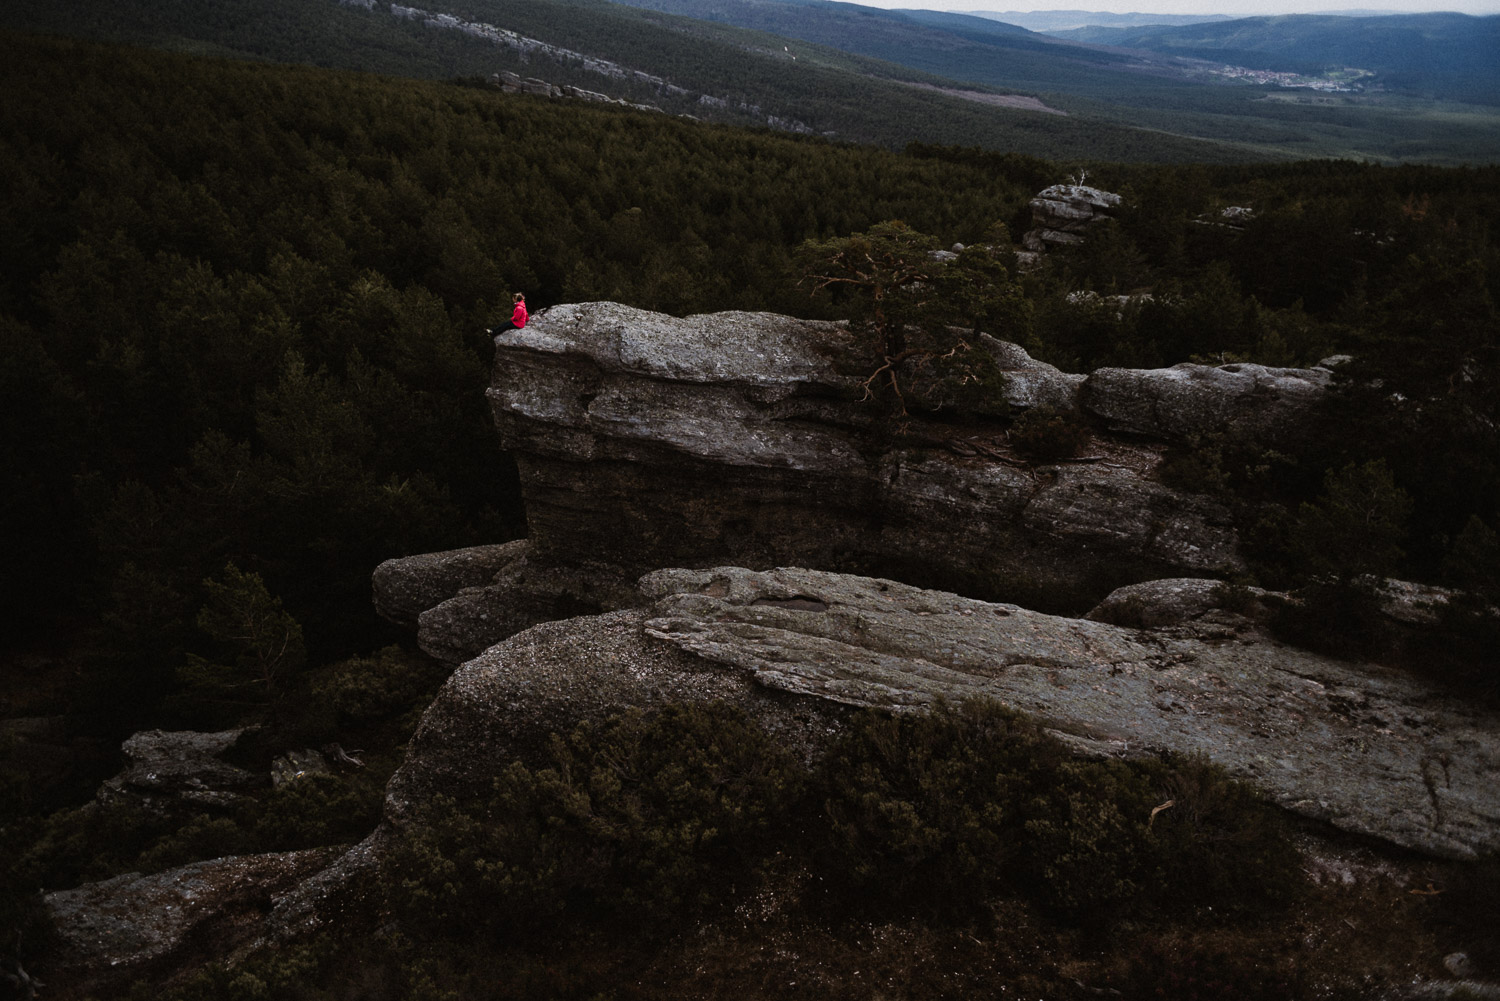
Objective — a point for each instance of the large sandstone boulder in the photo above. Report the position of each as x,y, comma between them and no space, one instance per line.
1366,749
1032,384
407,586
1156,603
646,440
500,592
1063,213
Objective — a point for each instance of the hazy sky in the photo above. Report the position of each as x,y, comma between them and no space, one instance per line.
1234,8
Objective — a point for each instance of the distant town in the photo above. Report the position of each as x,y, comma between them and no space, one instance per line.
1344,79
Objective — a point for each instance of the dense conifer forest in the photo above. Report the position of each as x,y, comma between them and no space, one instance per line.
243,356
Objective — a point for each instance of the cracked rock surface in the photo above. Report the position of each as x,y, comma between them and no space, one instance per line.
1364,748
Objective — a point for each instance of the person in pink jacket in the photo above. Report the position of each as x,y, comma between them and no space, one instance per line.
517,319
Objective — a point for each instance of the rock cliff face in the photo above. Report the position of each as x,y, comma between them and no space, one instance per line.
737,438
1268,405
647,441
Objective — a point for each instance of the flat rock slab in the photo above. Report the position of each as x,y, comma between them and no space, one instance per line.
1366,749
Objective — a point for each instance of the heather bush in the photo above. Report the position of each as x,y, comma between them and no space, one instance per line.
1218,845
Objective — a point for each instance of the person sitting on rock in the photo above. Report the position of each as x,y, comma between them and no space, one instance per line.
517,319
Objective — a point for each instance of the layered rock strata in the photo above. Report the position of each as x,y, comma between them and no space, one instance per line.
1271,406
1063,213
646,440
172,770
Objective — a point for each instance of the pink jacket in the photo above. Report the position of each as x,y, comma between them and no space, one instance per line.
519,316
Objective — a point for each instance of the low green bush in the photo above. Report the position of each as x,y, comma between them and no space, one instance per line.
947,809
642,818
925,807
1218,847
1089,854
364,690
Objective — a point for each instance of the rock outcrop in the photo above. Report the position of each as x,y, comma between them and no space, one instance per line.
1063,213
646,440
1032,384
736,441
1268,405
1363,748
514,83
168,770
1158,603
463,601
133,928
406,587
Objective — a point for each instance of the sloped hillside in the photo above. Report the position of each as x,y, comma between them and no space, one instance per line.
682,66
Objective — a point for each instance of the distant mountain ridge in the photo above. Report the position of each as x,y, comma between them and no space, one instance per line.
1443,55
716,72
1253,93
854,73
1064,20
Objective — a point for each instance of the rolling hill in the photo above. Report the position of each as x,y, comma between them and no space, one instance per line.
1440,55
679,65
1063,20
1434,106
853,73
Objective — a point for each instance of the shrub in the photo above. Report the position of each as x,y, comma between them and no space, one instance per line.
1219,845
202,837
1088,851
923,808
627,821
364,690
1355,527
1337,618
947,809
318,810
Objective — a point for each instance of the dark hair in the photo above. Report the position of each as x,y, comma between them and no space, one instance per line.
518,297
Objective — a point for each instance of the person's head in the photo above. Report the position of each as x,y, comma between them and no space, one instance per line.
518,298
